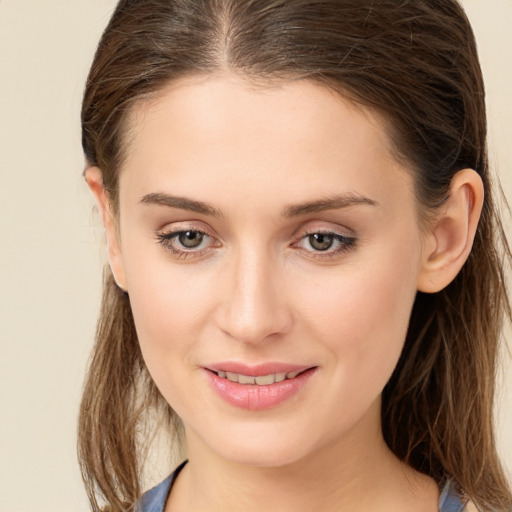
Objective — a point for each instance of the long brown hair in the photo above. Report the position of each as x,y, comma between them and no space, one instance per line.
415,63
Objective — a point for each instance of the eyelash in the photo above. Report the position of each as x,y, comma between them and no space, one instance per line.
345,243
167,240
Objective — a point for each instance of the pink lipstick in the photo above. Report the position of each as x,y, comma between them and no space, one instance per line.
257,387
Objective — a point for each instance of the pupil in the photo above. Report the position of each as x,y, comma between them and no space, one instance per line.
321,242
190,239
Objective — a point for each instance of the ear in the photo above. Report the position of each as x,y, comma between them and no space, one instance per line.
94,179
450,236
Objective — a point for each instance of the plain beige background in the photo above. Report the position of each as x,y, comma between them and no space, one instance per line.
50,243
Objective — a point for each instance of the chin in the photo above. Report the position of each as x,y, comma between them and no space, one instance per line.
260,447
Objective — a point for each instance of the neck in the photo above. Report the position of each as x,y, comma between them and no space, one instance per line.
356,473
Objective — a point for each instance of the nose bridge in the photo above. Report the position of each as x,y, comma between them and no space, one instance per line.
254,307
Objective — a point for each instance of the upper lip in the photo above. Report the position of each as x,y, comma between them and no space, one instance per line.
258,369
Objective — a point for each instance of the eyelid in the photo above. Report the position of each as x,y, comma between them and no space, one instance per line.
167,236
323,229
346,240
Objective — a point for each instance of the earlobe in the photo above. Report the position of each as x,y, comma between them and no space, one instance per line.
94,179
451,235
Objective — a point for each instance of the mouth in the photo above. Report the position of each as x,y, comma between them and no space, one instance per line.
259,388
259,380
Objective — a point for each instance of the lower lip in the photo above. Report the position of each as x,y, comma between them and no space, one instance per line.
254,397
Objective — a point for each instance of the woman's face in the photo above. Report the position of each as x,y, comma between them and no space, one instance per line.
265,232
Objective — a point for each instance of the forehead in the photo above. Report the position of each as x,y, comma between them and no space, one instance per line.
300,135
209,102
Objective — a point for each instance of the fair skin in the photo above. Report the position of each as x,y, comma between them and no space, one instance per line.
328,287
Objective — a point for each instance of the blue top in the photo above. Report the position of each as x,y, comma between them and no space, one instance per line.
154,500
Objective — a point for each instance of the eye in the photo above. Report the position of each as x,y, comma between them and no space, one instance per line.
321,241
190,239
186,242
326,244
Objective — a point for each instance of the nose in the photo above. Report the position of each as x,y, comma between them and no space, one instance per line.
252,306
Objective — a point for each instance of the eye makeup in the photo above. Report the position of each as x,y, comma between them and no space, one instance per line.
325,244
315,243
186,243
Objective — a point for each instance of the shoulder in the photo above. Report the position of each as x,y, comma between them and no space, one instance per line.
154,500
452,501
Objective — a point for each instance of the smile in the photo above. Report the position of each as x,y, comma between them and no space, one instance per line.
258,392
262,380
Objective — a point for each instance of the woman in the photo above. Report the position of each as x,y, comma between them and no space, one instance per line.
305,272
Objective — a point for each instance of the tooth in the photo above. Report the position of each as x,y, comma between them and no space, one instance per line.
265,380
261,380
245,379
233,377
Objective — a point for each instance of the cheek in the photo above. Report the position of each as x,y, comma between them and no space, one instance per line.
169,314
169,303
361,316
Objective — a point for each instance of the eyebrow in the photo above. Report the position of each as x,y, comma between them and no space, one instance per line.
332,203
183,203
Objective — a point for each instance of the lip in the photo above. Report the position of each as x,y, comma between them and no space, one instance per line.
253,397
